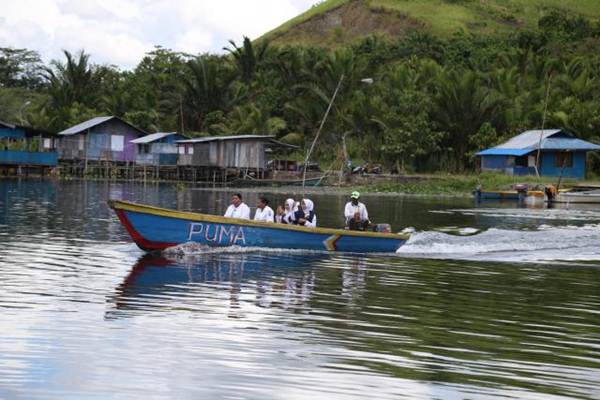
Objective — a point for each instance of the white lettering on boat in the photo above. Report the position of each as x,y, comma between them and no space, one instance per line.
240,236
195,229
217,233
207,233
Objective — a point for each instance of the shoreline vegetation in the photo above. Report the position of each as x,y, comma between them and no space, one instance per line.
463,185
450,185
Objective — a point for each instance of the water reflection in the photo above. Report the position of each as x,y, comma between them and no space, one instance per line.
85,315
284,281
514,330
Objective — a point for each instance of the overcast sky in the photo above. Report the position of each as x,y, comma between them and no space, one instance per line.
120,31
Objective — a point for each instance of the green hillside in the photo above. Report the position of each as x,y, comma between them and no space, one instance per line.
334,22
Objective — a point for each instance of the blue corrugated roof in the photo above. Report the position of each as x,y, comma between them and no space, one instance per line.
550,139
504,152
568,144
7,125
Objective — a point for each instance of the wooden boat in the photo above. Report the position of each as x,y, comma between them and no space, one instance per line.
153,228
508,195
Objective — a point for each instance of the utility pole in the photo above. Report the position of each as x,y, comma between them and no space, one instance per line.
312,146
547,95
181,113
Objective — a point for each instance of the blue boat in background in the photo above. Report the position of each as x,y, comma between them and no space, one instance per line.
153,228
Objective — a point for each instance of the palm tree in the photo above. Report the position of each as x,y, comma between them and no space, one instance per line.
461,106
247,58
206,89
75,80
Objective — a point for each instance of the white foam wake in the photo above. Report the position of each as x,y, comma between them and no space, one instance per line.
547,243
193,249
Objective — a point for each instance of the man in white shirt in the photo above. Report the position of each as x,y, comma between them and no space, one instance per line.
353,207
263,211
237,209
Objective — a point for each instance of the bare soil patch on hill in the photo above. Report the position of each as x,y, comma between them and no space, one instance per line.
349,21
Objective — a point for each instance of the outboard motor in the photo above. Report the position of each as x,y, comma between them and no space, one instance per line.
384,228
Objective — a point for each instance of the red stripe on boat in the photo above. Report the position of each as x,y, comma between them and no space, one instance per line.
142,242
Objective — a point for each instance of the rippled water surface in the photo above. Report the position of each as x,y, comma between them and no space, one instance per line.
484,301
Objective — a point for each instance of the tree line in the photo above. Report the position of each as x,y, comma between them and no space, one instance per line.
432,102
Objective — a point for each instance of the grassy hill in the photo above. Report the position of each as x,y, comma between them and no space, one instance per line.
334,22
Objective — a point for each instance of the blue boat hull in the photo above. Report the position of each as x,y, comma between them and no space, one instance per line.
155,229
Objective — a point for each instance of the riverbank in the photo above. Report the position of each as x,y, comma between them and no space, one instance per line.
425,185
463,185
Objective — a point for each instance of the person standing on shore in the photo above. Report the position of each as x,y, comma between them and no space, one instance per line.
237,209
354,206
263,211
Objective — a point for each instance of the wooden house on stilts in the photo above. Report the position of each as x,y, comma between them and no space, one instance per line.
216,158
101,143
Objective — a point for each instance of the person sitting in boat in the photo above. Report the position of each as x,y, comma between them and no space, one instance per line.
306,215
290,207
237,209
263,211
279,214
357,223
354,206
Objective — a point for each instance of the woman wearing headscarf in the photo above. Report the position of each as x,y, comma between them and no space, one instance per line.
290,209
306,215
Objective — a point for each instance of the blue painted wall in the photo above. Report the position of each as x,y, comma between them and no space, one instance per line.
98,145
171,139
12,133
10,157
522,171
494,162
547,167
168,159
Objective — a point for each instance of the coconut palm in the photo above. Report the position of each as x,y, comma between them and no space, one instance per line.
246,57
75,80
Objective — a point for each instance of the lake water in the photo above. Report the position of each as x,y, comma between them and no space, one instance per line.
484,301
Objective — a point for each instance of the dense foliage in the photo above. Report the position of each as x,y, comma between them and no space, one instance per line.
432,104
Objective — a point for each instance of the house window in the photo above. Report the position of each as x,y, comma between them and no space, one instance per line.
81,143
117,142
47,143
181,149
191,150
521,161
563,159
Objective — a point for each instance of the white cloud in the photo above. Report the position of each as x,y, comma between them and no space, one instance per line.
121,31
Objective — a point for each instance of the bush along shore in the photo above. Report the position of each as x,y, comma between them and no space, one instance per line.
463,185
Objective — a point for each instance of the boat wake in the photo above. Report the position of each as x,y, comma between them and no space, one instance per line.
192,249
547,243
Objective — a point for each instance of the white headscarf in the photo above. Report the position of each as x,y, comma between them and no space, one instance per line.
291,205
308,204
289,213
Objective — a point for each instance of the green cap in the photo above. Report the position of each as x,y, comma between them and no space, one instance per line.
355,195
